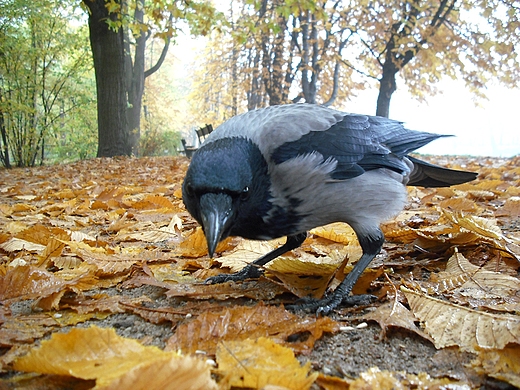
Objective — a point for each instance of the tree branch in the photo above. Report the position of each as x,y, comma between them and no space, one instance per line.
160,61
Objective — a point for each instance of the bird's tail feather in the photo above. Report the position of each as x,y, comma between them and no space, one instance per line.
428,175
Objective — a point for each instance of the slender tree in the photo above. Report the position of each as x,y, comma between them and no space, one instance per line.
287,52
424,40
41,57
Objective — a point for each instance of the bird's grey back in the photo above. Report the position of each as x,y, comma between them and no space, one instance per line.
274,126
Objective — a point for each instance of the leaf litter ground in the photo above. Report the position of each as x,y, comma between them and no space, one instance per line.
98,254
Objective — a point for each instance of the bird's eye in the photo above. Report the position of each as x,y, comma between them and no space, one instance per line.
245,193
188,188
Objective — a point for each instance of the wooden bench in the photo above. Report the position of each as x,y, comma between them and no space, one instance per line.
202,134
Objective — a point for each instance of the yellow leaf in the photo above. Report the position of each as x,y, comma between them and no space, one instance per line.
195,245
503,364
246,252
260,363
303,277
338,232
114,362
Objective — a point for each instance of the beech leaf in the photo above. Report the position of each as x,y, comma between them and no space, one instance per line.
449,324
114,362
261,362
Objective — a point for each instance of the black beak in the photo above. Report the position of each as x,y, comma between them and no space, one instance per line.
216,212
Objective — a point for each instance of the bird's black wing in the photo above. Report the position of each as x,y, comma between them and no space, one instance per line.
358,143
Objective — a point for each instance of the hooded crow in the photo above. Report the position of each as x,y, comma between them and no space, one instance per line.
283,170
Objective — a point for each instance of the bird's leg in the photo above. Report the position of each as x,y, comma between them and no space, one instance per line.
371,245
254,270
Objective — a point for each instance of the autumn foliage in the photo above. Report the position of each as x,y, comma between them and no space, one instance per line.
86,242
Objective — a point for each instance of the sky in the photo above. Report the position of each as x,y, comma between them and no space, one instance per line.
491,128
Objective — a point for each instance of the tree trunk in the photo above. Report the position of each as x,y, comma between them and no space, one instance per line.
4,150
108,54
136,82
387,86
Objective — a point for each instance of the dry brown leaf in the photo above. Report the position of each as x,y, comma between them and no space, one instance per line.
511,208
462,277
97,353
259,363
329,382
394,314
150,235
109,264
375,379
168,373
240,323
66,262
303,278
100,303
41,234
394,232
53,249
159,201
486,228
28,282
25,329
17,244
450,324
259,290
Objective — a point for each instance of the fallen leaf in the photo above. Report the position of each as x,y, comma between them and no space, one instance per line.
259,363
394,314
114,362
376,379
239,323
28,282
482,286
450,324
246,252
195,245
338,232
502,364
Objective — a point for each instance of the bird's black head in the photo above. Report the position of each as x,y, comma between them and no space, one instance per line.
226,189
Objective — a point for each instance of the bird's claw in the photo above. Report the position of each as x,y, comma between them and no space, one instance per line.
325,306
248,272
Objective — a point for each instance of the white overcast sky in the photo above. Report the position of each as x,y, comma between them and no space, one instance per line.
490,129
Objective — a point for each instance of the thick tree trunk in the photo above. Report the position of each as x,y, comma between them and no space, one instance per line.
108,54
